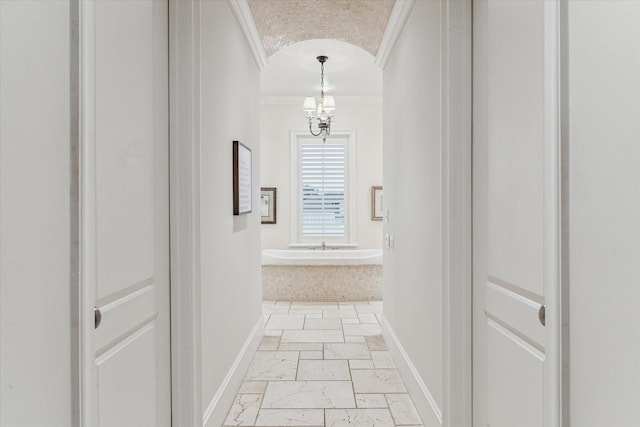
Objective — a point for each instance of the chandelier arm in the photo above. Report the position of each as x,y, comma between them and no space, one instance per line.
311,130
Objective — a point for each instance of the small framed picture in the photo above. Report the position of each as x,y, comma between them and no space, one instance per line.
268,205
241,178
376,203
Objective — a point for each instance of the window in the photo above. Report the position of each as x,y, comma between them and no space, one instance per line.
322,175
321,183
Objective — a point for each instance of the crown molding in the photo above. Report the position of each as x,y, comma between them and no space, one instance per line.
342,100
244,17
398,18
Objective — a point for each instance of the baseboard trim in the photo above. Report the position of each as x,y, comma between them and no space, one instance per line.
217,409
423,399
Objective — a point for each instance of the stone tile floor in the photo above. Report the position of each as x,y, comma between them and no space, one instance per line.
323,364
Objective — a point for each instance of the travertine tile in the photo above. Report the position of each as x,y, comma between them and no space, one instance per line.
273,365
376,342
339,314
311,355
244,410
382,360
358,417
346,351
307,311
314,304
309,394
322,324
403,410
369,309
252,387
377,381
300,346
290,417
275,309
323,370
371,401
314,315
269,343
300,377
367,329
285,321
323,304
316,336
360,364
368,318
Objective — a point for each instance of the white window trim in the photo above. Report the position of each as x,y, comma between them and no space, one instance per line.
350,185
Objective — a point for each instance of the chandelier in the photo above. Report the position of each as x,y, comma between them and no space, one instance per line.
323,112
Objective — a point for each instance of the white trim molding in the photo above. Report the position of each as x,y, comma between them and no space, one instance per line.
426,404
398,18
242,12
184,146
552,229
217,409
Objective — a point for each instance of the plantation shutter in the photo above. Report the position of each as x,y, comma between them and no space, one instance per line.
323,176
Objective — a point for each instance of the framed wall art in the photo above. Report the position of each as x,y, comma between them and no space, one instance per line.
241,178
376,203
268,205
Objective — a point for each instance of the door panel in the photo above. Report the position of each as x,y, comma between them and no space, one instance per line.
130,113
512,210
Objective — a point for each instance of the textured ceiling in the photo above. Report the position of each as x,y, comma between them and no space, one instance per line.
284,22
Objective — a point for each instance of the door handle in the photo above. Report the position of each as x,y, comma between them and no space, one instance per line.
97,317
542,315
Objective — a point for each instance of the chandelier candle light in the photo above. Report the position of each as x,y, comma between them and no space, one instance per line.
324,110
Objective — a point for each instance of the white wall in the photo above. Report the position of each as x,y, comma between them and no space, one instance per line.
276,123
604,212
412,181
230,245
35,319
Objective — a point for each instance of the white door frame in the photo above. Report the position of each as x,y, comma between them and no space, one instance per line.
184,184
456,43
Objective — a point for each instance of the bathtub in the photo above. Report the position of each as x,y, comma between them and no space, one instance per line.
329,275
320,257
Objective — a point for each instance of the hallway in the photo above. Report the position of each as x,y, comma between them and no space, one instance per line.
323,364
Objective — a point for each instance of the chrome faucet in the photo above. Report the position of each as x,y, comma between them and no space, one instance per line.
323,245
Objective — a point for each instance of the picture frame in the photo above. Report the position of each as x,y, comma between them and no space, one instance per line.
377,211
242,176
268,205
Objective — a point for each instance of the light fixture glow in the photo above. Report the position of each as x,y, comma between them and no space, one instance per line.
325,107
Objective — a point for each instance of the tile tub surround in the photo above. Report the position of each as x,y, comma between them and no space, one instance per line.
322,282
346,377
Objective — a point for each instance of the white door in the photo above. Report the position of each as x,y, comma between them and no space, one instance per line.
515,213
125,219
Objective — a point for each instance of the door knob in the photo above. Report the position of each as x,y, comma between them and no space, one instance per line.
542,314
97,317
